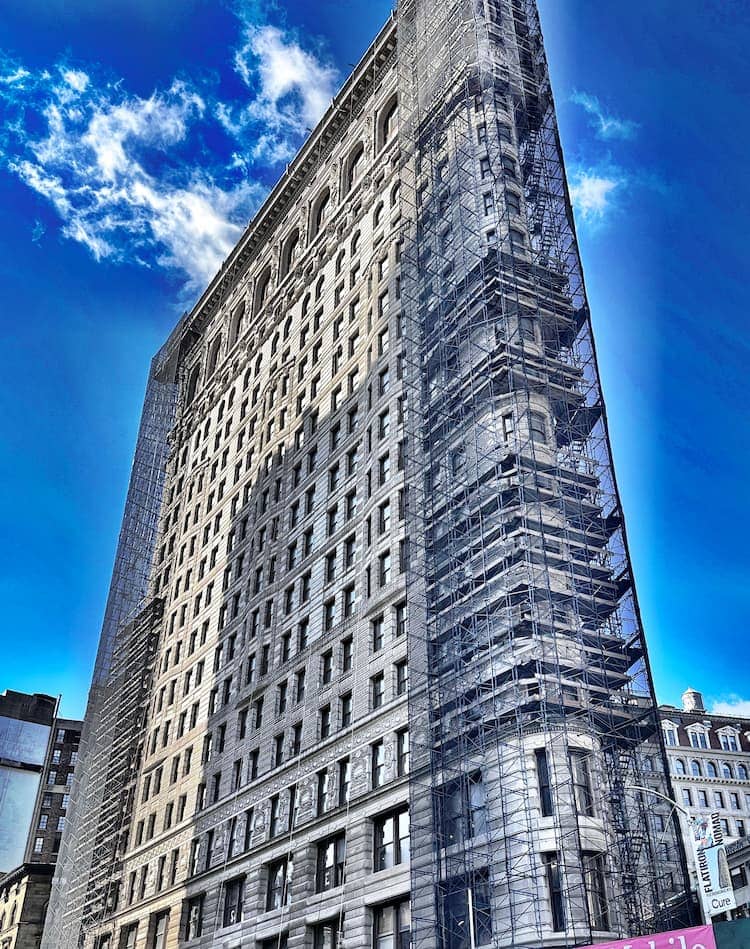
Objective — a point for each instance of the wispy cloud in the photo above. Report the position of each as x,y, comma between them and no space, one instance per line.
129,176
291,90
733,705
607,127
594,192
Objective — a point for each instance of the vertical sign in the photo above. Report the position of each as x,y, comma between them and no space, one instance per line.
714,880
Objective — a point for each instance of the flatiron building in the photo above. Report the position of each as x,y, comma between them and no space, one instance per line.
372,671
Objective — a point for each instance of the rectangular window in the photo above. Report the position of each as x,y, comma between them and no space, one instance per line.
350,600
160,924
391,839
402,677
543,778
325,721
377,625
273,820
194,917
402,752
392,926
347,652
279,886
299,686
464,807
384,568
329,935
399,618
462,896
377,756
596,890
331,863
129,937
345,703
345,769
322,798
554,890
582,788
349,551
327,667
377,690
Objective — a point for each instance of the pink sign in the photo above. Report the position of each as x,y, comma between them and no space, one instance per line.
701,937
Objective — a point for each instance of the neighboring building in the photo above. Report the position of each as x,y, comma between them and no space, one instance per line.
50,810
738,857
371,671
39,753
25,728
709,757
24,896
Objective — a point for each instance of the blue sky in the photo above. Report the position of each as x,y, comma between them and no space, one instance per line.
136,140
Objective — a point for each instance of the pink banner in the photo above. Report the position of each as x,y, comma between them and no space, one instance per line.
701,937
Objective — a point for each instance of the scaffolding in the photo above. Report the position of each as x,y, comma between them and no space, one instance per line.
532,709
85,883
531,704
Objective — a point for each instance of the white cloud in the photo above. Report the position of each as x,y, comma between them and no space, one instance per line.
158,122
607,127
593,193
292,89
105,164
16,76
131,177
732,706
77,80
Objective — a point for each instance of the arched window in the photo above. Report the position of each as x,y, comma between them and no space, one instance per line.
387,122
192,384
275,344
320,209
353,167
679,766
711,770
395,192
290,252
695,767
377,217
726,770
340,262
741,772
287,328
319,288
355,243
258,362
262,285
237,323
213,356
